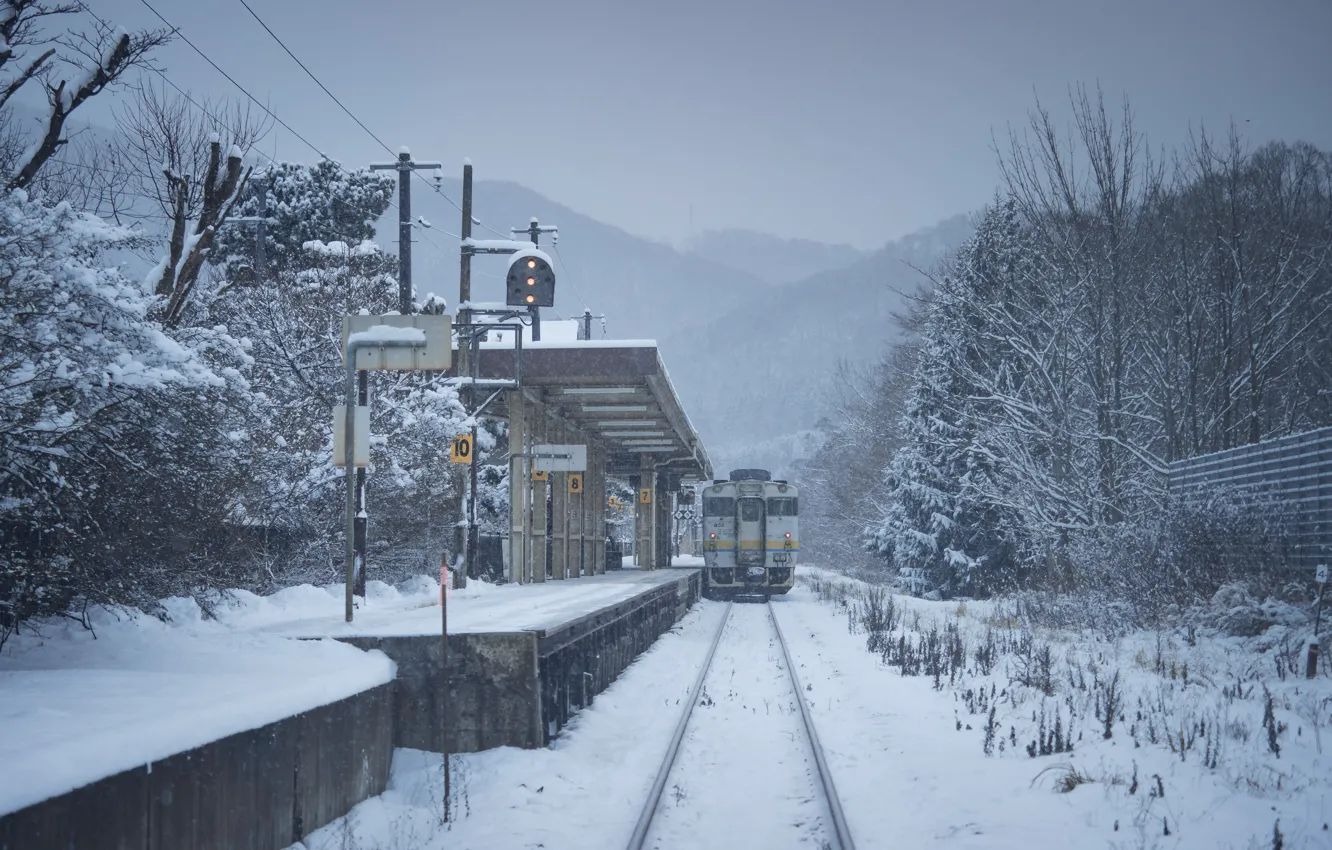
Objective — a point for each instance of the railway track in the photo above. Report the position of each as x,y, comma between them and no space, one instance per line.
744,767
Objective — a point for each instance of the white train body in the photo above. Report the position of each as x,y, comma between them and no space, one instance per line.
751,535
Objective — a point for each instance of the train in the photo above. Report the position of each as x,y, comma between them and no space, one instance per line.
751,535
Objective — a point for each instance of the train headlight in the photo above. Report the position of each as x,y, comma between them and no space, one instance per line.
788,535
713,535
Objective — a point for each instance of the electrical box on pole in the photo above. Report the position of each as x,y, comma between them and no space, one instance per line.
531,280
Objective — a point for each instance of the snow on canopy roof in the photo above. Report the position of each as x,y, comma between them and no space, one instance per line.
496,244
551,331
577,343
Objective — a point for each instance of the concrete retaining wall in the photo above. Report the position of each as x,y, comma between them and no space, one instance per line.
518,689
264,789
494,699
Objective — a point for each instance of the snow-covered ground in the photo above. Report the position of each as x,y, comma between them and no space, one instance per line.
480,607
1189,762
78,705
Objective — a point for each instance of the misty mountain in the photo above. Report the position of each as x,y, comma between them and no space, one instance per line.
644,289
750,359
754,375
772,259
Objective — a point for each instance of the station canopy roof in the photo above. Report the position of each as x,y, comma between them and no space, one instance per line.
616,391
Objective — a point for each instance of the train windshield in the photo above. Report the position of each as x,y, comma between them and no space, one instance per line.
782,506
719,506
751,510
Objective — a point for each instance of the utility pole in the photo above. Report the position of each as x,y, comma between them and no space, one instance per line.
585,331
261,231
534,231
404,166
465,368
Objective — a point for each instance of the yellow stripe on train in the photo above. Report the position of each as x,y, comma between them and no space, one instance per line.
773,545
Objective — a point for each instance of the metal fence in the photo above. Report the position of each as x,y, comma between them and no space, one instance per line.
1296,470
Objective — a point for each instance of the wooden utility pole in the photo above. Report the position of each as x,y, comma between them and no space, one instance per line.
404,166
465,368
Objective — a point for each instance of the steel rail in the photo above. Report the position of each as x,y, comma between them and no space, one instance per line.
639,837
840,828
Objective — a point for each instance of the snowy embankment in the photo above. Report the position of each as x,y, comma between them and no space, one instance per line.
999,731
78,705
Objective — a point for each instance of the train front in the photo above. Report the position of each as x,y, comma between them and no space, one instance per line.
751,535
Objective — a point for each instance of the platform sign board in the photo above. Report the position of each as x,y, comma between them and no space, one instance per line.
556,457
362,427
1320,574
460,450
437,354
645,496
540,475
575,483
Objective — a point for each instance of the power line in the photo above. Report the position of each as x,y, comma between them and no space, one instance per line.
565,266
232,80
311,145
312,76
343,107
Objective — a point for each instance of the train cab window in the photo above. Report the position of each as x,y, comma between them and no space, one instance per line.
719,506
782,506
751,510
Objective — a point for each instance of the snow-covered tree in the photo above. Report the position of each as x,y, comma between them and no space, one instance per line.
942,529
306,203
290,314
102,414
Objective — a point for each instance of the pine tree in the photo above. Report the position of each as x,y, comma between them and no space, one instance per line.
943,529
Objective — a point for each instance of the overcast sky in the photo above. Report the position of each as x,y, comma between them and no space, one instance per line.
836,120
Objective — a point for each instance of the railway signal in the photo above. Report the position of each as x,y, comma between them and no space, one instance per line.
531,280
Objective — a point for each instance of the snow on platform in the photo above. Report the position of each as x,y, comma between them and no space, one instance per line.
77,706
483,608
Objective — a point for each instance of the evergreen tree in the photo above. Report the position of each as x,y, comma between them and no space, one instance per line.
942,529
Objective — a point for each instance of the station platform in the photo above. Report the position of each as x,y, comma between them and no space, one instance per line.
520,659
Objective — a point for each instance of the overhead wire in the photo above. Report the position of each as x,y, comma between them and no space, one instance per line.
565,266
350,114
311,145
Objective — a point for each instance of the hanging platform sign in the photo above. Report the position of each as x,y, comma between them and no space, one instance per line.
555,457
